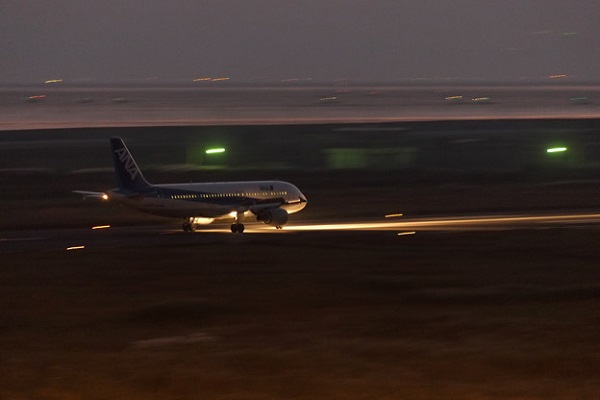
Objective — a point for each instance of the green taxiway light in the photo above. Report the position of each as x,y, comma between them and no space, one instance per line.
215,151
556,150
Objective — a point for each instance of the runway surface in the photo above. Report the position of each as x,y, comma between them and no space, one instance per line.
106,237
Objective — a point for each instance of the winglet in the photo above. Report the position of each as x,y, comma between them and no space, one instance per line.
127,172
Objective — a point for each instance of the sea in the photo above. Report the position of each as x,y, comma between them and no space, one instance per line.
57,106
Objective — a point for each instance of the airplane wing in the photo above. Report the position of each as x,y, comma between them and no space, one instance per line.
92,195
257,208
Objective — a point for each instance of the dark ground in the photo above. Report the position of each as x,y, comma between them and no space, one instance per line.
356,315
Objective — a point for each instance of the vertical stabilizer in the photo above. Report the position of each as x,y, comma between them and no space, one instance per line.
127,172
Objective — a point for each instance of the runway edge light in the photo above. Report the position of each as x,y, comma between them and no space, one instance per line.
75,248
556,150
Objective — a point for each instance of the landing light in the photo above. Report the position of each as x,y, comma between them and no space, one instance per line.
203,221
104,196
100,227
215,151
556,150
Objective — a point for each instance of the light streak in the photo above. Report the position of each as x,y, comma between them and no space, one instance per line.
556,150
100,227
410,226
75,248
449,222
215,151
394,215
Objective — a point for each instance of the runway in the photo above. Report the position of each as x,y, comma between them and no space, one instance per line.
462,223
106,237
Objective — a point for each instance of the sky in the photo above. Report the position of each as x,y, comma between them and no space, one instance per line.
323,40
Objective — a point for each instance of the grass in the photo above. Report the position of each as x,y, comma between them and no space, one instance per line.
364,315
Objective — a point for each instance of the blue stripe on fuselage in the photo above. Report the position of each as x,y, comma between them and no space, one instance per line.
211,197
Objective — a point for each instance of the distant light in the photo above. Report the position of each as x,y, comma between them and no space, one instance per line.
558,76
580,100
53,81
219,79
556,150
215,151
202,79
36,98
104,196
100,227
76,248
406,233
393,215
455,100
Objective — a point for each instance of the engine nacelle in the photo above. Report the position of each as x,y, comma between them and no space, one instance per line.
274,216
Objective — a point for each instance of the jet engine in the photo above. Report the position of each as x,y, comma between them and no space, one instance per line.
276,217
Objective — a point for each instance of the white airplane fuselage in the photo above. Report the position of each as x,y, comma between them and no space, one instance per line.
211,200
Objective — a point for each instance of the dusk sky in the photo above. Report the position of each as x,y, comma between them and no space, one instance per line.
370,40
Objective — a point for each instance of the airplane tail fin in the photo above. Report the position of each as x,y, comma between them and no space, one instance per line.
127,172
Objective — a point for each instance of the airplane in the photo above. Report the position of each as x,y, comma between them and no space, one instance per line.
200,203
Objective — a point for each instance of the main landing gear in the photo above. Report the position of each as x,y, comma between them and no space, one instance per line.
237,228
189,226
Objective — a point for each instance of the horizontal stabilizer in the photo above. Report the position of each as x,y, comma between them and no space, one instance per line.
91,195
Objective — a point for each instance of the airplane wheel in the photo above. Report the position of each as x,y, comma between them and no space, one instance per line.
193,227
186,226
237,228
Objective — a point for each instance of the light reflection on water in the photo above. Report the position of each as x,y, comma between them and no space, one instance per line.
147,106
